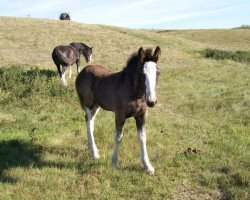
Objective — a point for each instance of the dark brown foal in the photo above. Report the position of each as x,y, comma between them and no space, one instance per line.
127,93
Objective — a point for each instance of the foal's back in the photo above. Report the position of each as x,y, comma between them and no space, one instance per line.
96,85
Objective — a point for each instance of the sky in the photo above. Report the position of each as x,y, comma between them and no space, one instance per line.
144,14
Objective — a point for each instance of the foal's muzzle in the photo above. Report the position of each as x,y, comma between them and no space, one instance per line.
151,103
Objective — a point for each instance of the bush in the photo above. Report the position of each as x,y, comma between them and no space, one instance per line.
243,27
239,56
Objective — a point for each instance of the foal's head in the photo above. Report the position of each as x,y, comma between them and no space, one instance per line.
148,64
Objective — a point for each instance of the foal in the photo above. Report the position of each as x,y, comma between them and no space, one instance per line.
127,93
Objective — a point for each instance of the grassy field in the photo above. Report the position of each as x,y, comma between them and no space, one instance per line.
198,134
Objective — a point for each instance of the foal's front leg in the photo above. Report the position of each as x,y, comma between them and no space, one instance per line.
119,122
140,124
90,117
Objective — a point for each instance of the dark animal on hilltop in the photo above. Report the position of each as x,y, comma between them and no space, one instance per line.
64,16
67,55
127,93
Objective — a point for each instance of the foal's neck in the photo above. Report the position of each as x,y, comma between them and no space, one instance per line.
137,78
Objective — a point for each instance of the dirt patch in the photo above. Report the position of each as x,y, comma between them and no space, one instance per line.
188,191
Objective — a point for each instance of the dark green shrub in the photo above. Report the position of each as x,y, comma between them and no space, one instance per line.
239,56
243,27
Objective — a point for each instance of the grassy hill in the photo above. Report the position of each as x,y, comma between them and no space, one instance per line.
198,134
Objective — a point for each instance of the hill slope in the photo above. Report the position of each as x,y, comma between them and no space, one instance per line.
198,134
30,41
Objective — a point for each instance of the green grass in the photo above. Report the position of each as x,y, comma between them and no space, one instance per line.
203,105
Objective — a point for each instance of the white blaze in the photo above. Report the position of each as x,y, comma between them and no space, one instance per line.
150,70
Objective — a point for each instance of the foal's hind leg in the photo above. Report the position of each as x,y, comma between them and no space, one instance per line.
119,122
140,122
90,117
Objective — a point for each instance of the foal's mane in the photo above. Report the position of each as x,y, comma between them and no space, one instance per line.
133,61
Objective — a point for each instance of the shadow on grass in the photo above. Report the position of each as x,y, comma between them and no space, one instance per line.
18,153
42,72
134,168
15,153
23,154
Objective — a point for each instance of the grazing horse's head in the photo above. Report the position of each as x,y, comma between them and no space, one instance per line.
83,49
148,64
88,54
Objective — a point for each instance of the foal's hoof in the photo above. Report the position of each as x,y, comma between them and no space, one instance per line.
116,166
150,170
96,156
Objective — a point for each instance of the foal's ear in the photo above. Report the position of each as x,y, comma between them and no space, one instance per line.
157,53
141,55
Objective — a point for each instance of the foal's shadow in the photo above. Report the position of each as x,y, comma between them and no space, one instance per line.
134,168
18,153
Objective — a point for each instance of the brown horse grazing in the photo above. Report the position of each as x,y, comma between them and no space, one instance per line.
127,93
67,55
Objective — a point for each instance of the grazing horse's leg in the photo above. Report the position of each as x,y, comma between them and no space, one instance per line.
59,70
70,71
78,66
63,75
90,117
140,122
119,122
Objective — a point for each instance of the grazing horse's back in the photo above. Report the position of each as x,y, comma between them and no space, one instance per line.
65,55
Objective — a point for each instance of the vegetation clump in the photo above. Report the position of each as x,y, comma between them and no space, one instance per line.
244,26
238,56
